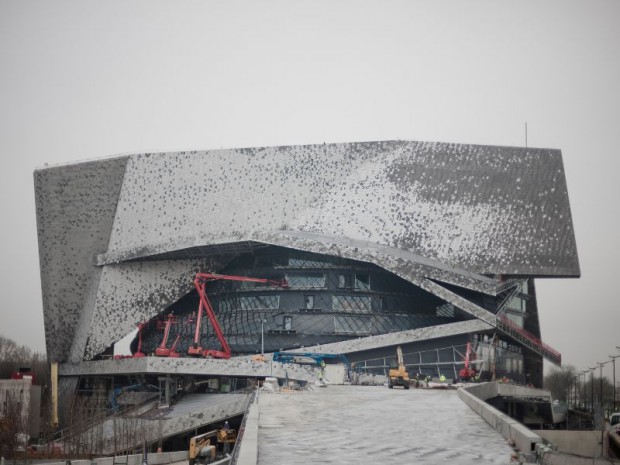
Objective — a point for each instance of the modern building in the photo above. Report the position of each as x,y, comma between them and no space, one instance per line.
425,245
20,409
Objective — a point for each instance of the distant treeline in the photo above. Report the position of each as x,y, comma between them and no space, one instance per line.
14,356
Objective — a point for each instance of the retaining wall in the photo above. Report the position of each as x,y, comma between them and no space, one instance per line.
524,439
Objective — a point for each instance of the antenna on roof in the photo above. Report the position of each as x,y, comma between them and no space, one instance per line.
526,134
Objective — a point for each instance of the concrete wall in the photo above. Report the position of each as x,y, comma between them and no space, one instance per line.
135,459
248,447
524,439
585,443
559,458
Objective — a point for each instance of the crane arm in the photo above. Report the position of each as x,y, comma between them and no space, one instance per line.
200,282
200,287
206,277
399,356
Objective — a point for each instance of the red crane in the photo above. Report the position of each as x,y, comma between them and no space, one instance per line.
200,282
162,350
468,372
139,352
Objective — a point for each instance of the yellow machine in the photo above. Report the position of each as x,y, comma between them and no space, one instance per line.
399,376
201,449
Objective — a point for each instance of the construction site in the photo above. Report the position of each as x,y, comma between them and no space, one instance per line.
293,304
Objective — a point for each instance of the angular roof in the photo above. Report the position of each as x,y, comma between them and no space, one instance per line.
450,212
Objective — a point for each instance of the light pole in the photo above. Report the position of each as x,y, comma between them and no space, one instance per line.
614,357
592,390
262,336
575,400
585,386
601,385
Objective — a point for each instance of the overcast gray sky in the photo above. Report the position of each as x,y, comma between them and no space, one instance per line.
88,79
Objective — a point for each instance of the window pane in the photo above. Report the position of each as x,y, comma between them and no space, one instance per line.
308,280
352,325
351,303
345,281
301,261
362,281
255,302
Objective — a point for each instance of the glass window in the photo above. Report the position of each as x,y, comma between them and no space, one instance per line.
445,310
362,281
351,303
309,301
345,281
352,325
307,280
301,261
516,303
254,302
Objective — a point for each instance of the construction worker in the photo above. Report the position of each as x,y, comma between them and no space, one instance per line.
442,378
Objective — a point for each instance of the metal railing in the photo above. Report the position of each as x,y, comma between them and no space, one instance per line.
512,329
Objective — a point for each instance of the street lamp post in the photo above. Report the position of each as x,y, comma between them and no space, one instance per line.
614,357
262,337
585,386
576,399
601,385
592,389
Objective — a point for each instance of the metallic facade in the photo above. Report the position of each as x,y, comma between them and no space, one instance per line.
120,238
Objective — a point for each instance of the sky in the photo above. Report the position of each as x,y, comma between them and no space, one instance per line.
89,79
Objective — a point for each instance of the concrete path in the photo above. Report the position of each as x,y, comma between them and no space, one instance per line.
374,424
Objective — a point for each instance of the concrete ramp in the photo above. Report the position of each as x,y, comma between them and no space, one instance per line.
368,424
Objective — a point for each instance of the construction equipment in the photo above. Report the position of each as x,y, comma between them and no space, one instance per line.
163,350
308,358
202,450
139,353
200,282
399,376
469,372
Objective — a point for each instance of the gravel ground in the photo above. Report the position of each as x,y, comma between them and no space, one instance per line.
374,424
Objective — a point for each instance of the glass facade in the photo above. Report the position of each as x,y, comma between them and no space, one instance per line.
347,299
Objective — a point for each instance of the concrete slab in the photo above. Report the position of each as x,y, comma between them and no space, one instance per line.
374,424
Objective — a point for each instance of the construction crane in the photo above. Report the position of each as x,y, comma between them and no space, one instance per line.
200,282
469,372
139,353
399,376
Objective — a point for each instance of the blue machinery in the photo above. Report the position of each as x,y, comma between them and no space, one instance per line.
309,358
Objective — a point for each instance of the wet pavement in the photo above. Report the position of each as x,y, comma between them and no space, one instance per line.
376,425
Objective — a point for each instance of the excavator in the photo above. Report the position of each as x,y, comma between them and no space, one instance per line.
201,448
398,376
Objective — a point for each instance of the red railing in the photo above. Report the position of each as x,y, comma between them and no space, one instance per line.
530,337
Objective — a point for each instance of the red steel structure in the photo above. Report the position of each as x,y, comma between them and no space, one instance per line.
200,282
162,350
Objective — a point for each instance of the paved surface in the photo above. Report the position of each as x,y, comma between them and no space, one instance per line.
374,424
